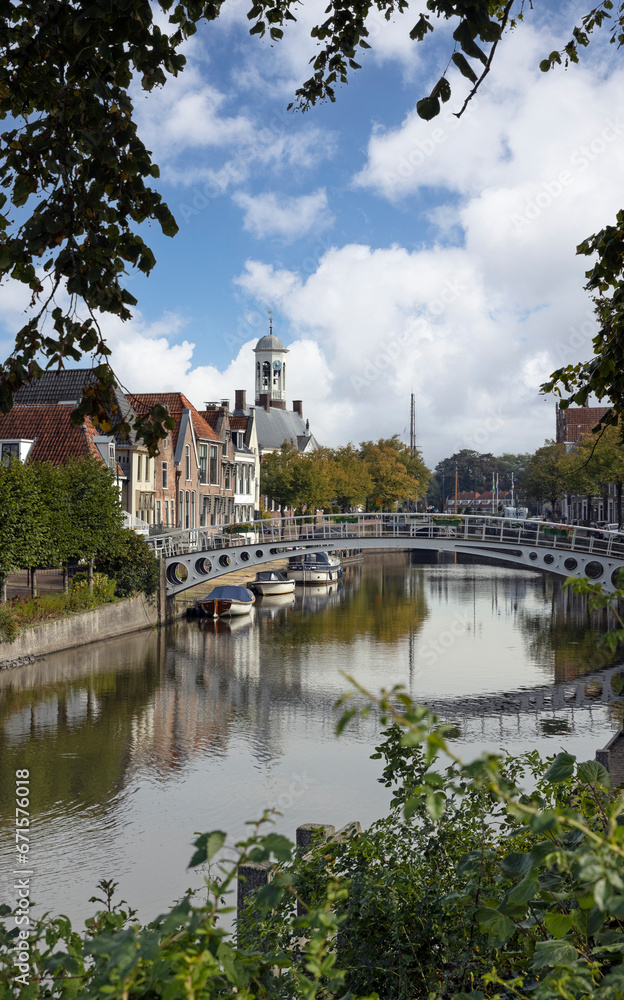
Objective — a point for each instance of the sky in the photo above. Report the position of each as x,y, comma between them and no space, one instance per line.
397,256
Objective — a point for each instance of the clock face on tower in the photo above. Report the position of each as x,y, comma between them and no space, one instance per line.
277,365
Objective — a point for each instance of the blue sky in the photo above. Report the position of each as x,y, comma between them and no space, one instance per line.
397,255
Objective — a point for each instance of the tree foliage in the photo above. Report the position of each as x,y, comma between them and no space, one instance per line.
79,182
378,474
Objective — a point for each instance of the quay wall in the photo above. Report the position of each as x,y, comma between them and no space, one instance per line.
105,622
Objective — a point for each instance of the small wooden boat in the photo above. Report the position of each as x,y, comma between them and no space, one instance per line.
271,582
315,567
227,601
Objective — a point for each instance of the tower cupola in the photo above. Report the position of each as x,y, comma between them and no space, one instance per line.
271,370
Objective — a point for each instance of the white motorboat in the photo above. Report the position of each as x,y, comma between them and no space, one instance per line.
315,567
271,582
227,602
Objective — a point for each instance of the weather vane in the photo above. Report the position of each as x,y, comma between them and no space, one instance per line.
270,312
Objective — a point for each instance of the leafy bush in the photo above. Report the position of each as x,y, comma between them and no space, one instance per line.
131,563
22,612
103,588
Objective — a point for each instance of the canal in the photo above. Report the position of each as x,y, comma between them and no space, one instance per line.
135,744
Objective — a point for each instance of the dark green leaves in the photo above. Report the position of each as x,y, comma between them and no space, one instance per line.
464,67
561,768
492,922
207,845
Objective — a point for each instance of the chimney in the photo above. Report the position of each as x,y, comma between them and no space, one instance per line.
298,407
240,400
225,405
265,401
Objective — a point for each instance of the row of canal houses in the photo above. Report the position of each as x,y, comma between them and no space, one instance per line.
207,471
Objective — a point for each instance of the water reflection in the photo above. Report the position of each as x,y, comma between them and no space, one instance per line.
134,744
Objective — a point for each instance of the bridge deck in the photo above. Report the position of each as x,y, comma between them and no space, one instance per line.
197,555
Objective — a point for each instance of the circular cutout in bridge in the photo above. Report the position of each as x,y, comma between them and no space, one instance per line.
533,556
549,559
259,553
177,573
244,556
617,577
203,566
594,569
224,561
570,563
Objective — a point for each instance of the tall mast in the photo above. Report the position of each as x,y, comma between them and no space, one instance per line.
412,426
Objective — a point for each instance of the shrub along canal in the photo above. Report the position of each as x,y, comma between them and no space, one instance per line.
134,744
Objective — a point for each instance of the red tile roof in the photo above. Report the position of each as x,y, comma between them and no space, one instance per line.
175,402
239,423
50,427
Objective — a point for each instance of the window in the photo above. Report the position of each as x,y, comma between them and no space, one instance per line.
139,464
188,462
214,465
165,474
193,524
227,477
166,514
158,514
248,480
266,375
187,511
172,513
181,508
203,463
9,451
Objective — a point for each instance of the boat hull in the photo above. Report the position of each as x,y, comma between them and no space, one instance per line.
312,575
221,608
273,588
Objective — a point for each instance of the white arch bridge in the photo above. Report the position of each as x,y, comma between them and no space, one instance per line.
199,555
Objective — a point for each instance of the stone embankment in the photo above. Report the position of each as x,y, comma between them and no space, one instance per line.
79,629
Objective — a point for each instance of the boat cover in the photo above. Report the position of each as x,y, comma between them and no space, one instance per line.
230,594
271,574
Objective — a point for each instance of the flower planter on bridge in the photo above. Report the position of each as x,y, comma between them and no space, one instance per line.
559,532
449,522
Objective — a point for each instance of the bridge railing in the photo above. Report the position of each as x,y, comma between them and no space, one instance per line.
479,528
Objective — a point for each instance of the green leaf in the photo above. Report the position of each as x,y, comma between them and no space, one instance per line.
554,953
592,773
436,804
464,67
558,924
207,845
499,927
524,891
561,768
516,864
428,108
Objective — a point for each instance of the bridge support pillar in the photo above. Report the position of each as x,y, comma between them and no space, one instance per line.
165,604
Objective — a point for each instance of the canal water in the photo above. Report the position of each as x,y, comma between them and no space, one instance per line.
135,744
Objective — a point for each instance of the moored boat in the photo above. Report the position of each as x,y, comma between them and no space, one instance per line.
315,567
271,582
227,601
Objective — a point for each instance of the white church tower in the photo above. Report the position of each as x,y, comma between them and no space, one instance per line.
271,370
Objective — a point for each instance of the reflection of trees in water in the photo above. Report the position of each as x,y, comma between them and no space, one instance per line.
383,603
565,633
74,735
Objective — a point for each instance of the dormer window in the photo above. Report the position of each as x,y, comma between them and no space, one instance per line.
15,448
9,451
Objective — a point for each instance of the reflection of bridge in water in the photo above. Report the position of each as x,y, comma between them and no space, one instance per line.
198,555
600,688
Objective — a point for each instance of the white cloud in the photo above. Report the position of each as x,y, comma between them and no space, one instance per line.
270,214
